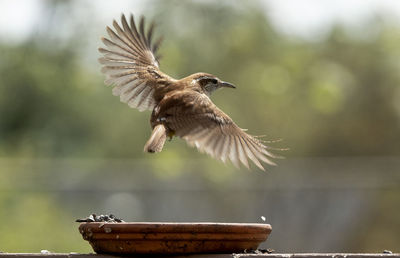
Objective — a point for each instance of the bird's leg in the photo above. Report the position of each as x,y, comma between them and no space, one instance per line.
170,134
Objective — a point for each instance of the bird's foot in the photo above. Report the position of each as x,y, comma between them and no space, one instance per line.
170,134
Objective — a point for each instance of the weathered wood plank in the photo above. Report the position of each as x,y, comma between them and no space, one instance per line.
244,255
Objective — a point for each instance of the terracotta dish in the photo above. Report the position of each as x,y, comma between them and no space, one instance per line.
173,238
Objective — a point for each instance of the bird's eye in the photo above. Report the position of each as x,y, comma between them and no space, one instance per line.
207,80
213,81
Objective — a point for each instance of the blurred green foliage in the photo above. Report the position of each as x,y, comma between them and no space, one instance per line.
336,96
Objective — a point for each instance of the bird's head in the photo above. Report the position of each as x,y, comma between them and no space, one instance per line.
209,83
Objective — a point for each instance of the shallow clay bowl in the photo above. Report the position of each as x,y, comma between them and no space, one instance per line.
173,238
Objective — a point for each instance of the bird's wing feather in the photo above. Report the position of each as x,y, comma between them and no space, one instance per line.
195,118
130,63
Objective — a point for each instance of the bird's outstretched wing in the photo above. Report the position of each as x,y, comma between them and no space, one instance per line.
195,118
130,62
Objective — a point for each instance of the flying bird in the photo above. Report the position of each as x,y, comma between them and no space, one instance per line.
181,107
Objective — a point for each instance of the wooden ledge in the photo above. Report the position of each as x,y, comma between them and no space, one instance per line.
241,255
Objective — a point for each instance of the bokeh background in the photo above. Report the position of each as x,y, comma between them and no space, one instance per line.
323,76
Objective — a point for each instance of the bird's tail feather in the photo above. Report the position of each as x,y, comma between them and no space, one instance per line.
157,139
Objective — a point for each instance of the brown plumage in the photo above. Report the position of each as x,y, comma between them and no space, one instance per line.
179,107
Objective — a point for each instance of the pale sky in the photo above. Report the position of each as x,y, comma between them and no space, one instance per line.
304,18
307,17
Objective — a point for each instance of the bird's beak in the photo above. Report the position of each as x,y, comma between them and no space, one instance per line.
227,85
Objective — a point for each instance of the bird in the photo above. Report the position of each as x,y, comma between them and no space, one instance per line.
180,107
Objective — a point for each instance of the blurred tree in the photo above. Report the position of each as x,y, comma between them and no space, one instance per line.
333,97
